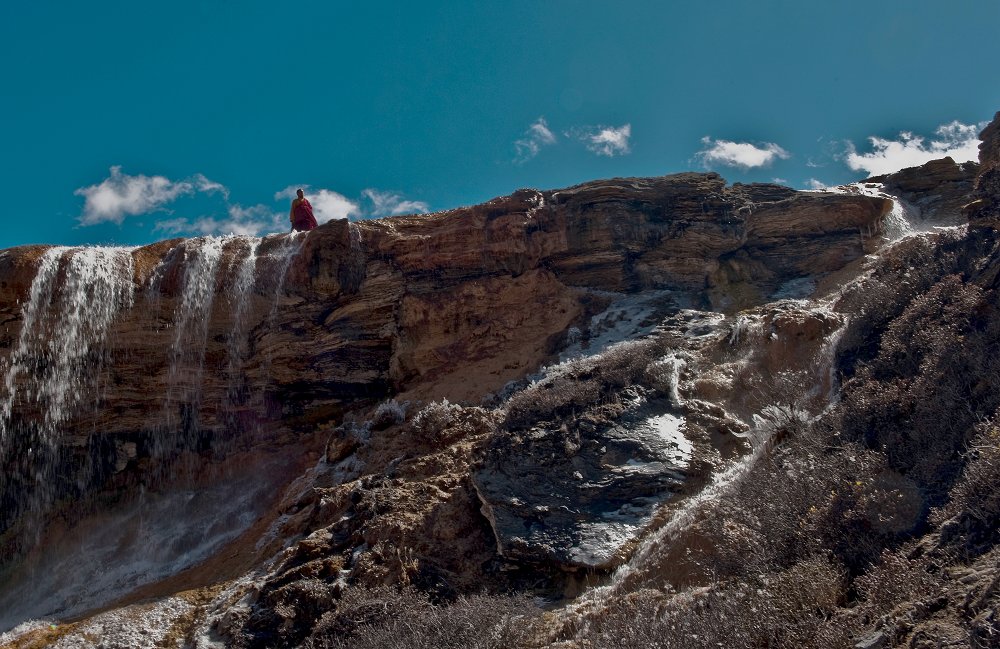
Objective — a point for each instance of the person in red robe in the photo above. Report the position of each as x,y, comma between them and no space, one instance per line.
301,214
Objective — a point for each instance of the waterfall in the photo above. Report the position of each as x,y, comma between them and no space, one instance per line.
54,370
30,343
291,245
354,233
239,303
63,325
897,221
244,285
237,345
280,261
187,351
56,363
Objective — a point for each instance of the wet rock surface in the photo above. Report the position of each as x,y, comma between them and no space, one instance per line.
577,497
936,191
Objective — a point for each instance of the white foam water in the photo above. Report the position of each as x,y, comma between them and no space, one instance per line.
63,322
187,353
56,363
239,301
108,555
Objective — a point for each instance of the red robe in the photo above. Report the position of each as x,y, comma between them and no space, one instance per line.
302,216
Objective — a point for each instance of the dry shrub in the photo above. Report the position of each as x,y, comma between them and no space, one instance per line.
389,413
894,580
442,422
389,618
551,400
576,385
912,267
787,609
933,379
973,512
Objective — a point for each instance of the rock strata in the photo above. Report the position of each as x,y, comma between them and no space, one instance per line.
226,345
935,192
984,210
358,311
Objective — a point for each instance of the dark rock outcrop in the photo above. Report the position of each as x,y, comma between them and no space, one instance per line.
936,191
575,498
984,210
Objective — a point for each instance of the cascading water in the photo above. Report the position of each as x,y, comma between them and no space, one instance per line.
55,366
901,219
184,511
291,245
898,223
240,303
277,263
187,352
63,323
354,233
237,347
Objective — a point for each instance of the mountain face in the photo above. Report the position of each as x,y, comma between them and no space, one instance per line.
208,346
640,399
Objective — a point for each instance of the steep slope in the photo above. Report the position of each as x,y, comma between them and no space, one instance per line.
545,487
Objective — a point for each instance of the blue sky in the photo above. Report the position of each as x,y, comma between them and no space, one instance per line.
127,122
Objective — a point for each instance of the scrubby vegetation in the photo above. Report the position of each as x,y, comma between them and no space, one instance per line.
389,618
874,523
581,384
877,523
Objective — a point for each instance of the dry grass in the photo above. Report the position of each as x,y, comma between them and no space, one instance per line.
389,618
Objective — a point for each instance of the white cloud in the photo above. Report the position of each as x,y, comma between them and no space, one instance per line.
120,195
207,186
814,184
290,192
537,136
253,220
392,204
780,181
960,141
327,204
607,140
739,154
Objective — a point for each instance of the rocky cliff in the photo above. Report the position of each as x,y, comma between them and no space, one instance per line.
204,358
934,192
206,344
985,209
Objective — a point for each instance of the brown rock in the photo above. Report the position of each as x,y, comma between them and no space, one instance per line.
454,304
936,191
984,210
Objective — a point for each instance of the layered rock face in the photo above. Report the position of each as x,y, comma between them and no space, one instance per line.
137,369
985,209
745,464
245,342
936,191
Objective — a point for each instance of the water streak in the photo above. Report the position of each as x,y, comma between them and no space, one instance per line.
240,302
55,366
187,351
291,245
64,324
898,222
